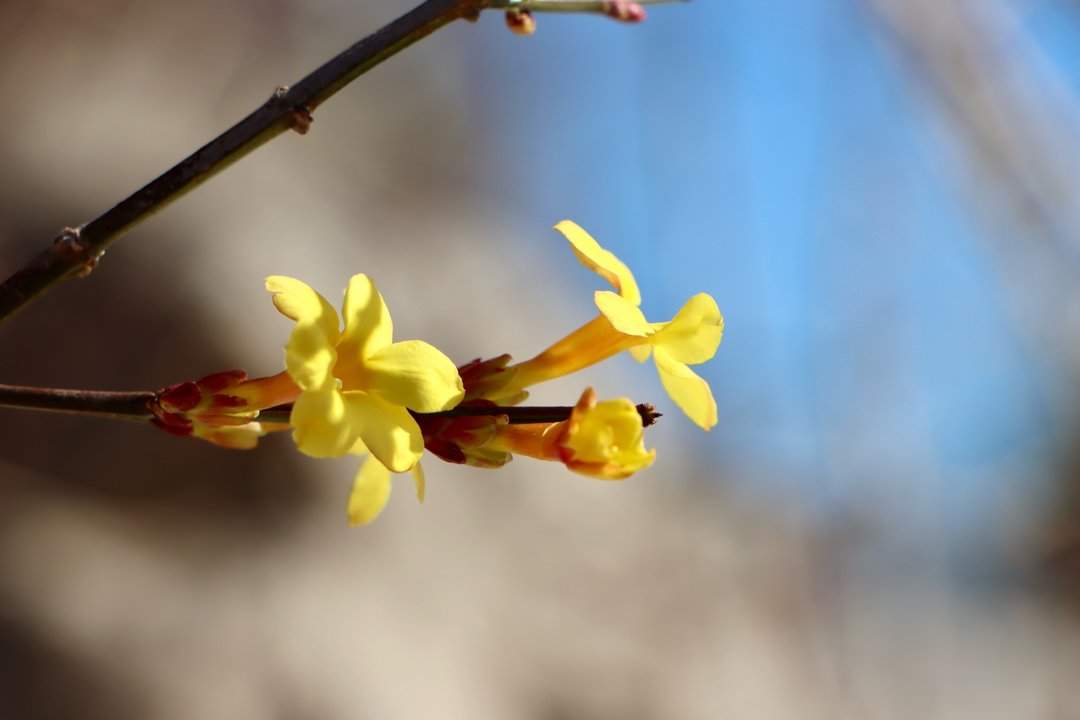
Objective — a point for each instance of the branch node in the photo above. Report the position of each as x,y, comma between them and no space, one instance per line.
300,120
470,10
69,244
624,11
87,267
72,250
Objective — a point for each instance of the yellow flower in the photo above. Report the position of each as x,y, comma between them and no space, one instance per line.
357,384
690,338
603,440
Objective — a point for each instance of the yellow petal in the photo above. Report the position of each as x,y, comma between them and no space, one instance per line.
641,352
368,327
389,431
690,392
297,301
603,429
623,315
242,437
310,357
370,492
414,374
601,261
321,424
418,478
694,334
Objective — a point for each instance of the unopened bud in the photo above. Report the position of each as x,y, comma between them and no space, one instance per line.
624,11
179,398
216,382
520,22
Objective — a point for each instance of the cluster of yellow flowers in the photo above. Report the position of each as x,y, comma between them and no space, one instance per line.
356,391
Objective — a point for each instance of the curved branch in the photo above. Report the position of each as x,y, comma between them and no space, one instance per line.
602,7
75,252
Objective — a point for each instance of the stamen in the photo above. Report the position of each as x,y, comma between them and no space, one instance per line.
648,414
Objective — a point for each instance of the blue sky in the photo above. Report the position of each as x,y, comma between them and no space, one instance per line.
778,157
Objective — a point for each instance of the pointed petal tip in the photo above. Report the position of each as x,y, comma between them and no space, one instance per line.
601,261
370,493
419,480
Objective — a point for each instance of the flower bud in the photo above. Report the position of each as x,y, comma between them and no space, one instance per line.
624,11
520,22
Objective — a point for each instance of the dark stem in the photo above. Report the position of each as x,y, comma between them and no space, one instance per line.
567,6
532,414
136,405
516,415
120,405
76,250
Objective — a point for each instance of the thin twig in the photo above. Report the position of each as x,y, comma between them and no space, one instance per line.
115,405
76,249
515,415
75,252
567,6
136,405
527,415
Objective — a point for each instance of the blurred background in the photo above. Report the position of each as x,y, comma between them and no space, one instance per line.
884,524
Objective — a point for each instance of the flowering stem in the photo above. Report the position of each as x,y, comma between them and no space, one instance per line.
515,415
135,405
529,415
116,405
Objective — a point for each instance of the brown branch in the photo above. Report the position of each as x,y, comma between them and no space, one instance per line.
528,415
75,252
117,405
515,415
136,405
603,7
